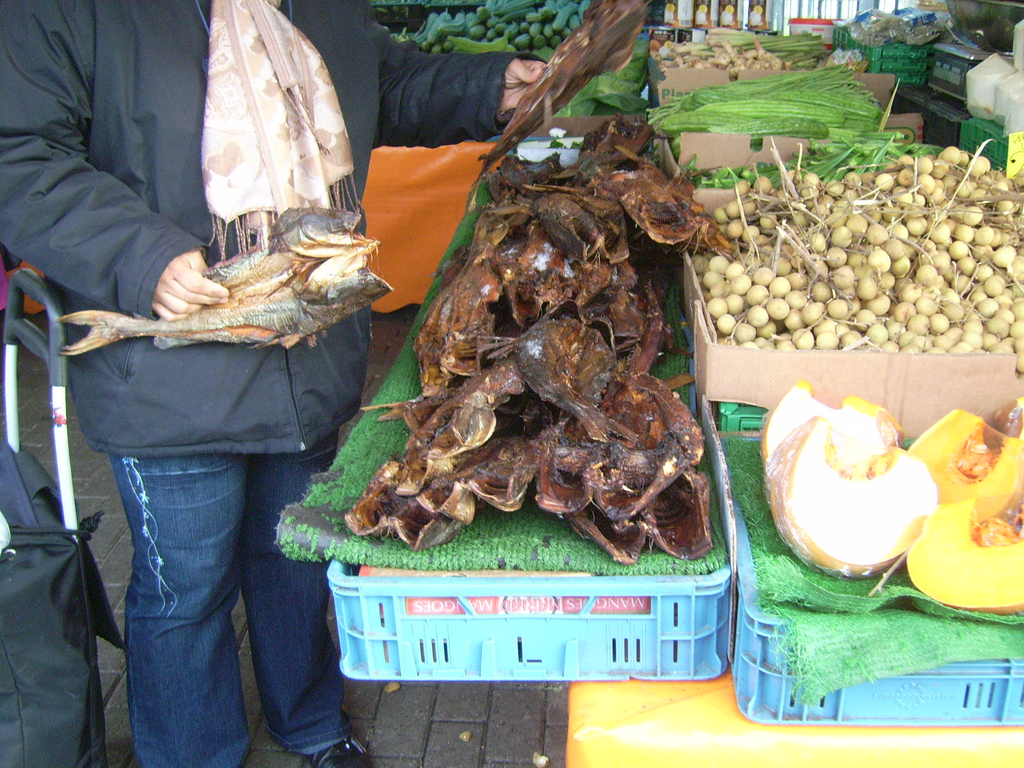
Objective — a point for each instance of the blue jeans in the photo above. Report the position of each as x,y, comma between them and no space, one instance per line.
203,528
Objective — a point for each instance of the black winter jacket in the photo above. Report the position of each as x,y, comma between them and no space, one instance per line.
101,113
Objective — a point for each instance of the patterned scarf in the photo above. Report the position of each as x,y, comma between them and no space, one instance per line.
273,134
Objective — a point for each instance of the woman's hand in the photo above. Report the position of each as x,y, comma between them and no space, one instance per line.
519,74
182,289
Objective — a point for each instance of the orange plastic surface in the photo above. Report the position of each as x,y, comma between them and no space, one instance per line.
650,724
414,199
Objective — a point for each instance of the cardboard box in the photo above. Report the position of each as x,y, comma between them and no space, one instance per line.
732,150
918,389
667,84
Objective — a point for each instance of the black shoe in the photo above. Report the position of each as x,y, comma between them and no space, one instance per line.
345,754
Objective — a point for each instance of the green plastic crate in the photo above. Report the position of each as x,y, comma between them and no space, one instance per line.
912,64
975,131
399,15
739,417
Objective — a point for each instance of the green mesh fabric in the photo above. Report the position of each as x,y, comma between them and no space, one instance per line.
529,539
835,634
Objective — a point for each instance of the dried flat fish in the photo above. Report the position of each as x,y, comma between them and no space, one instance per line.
569,364
312,274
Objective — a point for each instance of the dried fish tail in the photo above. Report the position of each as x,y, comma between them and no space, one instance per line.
107,327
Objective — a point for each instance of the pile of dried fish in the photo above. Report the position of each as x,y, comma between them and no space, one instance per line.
534,361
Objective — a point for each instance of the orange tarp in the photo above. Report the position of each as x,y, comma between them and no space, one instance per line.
648,724
414,199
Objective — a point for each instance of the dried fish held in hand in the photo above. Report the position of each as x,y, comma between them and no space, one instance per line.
312,274
603,42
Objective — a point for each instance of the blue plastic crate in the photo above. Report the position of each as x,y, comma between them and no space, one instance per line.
979,693
537,627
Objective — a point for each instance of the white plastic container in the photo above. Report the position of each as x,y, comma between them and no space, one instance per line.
1008,88
1015,114
1018,46
981,85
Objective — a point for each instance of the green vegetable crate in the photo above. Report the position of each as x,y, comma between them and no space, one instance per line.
739,417
912,64
399,16
975,131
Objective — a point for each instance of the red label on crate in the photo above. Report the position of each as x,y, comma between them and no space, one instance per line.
527,604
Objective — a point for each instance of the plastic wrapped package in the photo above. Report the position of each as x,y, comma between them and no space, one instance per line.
922,27
907,25
981,85
854,60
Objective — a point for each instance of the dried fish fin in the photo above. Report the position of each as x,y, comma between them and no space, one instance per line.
451,499
369,515
421,529
678,519
502,477
623,543
569,364
560,469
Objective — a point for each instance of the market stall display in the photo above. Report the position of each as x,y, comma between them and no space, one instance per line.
677,625
514,515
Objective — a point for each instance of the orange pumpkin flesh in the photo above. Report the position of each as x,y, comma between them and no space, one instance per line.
968,459
855,417
949,565
845,506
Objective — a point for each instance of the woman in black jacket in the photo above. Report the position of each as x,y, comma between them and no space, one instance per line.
104,186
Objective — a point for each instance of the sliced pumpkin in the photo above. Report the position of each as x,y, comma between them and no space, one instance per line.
1010,418
854,416
948,564
970,460
843,505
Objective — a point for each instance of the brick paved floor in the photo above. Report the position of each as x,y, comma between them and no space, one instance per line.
417,726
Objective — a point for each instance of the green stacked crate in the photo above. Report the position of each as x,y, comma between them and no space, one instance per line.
397,15
975,131
739,417
912,64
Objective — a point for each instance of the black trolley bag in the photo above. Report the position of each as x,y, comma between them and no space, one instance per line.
52,602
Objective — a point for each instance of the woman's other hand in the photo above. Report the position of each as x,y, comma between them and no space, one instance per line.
182,289
519,74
